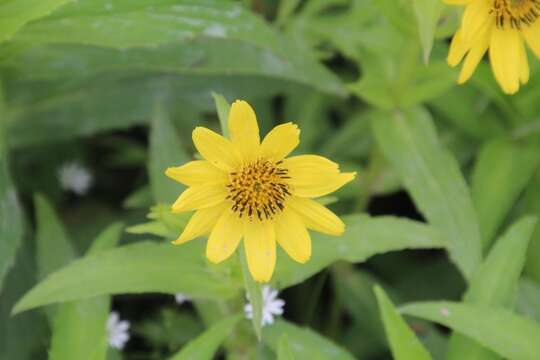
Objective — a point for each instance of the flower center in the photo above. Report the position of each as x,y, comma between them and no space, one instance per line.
515,13
259,189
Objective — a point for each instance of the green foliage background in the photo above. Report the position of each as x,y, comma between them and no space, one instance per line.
118,85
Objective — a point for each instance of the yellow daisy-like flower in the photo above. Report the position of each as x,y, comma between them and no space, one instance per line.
502,26
247,189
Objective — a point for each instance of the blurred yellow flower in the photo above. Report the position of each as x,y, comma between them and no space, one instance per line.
502,26
247,189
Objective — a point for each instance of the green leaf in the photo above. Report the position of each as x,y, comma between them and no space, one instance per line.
364,237
306,343
511,336
143,267
53,247
220,26
11,215
21,336
15,14
403,342
165,151
79,327
501,172
254,292
222,107
284,351
434,180
205,345
354,289
528,300
427,14
495,283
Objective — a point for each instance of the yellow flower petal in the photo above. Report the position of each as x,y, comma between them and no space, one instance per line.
458,49
244,130
199,197
196,172
293,237
475,17
316,217
458,2
475,55
260,245
505,53
201,223
280,141
225,237
524,68
314,176
219,151
532,36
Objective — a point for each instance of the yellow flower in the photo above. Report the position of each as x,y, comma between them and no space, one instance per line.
247,189
502,26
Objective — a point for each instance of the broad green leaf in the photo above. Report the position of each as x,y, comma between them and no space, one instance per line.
53,246
434,180
284,351
11,216
511,336
495,284
528,300
165,151
15,14
222,107
142,267
306,343
501,172
254,292
21,336
79,327
427,14
403,342
364,237
123,24
205,345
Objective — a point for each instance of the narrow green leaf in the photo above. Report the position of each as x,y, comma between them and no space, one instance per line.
502,170
306,343
165,151
15,14
142,267
364,237
107,239
204,347
53,246
284,351
434,180
79,327
222,107
427,14
511,336
11,215
495,283
254,292
403,342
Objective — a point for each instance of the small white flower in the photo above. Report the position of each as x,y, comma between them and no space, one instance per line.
117,331
181,298
75,177
272,306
